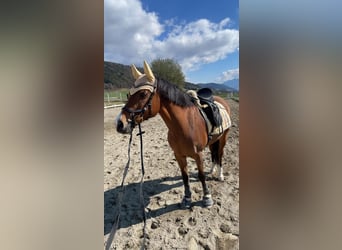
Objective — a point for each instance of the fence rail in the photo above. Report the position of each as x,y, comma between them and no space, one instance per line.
118,98
114,106
113,99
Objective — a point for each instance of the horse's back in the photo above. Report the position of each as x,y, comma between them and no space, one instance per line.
223,102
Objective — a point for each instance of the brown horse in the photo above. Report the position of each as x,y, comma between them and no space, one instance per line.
187,133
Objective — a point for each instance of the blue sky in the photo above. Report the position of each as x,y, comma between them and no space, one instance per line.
202,36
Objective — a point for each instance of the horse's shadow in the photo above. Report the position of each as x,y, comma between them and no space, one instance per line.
131,211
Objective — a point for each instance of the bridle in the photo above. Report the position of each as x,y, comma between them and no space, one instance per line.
133,114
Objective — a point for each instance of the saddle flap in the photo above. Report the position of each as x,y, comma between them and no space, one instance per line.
213,113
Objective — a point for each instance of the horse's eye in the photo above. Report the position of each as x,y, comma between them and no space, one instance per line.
143,94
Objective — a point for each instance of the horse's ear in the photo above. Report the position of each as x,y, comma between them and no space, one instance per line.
148,72
136,74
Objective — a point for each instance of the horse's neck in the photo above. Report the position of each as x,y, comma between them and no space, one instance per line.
171,114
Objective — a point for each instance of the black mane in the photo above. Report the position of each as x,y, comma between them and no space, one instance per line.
173,93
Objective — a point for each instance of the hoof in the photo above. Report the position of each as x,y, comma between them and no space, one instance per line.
186,203
221,178
207,201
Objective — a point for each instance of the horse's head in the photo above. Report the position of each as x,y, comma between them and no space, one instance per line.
142,102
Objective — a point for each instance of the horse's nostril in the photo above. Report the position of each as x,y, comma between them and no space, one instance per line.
119,126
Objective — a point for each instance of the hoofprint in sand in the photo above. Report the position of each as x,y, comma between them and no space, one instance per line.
169,226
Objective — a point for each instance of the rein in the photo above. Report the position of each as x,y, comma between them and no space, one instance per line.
141,184
122,190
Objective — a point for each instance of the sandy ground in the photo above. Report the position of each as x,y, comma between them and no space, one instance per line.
168,226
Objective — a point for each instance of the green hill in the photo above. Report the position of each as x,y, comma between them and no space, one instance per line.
119,76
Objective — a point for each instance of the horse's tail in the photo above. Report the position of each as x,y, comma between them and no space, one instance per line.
215,155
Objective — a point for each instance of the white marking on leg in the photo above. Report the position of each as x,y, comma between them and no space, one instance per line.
213,168
221,177
208,196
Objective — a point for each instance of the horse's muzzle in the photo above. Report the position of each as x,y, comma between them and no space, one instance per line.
121,128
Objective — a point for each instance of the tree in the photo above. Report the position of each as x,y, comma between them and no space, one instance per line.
169,70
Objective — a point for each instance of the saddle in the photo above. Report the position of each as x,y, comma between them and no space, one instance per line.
214,114
209,107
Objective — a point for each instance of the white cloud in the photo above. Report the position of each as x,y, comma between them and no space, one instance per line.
133,35
199,42
129,31
229,75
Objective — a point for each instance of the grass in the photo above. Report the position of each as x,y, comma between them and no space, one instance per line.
225,95
235,98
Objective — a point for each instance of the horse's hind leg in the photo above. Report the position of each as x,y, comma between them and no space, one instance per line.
222,143
186,202
207,201
216,150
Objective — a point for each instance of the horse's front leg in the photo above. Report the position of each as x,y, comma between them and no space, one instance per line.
207,200
186,202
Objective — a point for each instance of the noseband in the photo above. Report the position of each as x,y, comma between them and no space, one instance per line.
139,112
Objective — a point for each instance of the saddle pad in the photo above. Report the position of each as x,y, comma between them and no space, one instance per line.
226,121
